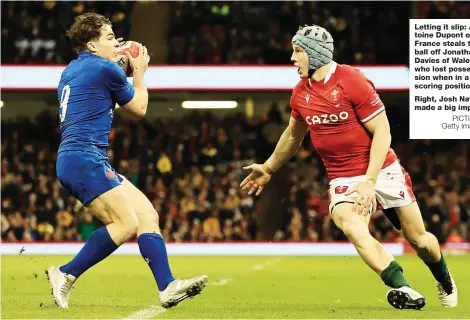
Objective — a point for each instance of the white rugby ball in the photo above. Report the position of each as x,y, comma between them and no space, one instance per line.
122,60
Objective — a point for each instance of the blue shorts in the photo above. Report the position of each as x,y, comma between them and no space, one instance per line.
86,175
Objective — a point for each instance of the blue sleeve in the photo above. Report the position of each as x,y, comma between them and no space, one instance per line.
116,82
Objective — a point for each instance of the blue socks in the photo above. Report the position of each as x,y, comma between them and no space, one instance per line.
98,246
153,250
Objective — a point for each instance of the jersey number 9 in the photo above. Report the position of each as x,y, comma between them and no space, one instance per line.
64,100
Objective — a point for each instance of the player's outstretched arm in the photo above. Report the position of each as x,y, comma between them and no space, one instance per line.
288,144
286,147
138,105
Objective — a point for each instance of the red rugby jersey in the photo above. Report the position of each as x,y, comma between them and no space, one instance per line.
335,110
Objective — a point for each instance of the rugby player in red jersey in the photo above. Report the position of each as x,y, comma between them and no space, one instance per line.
349,129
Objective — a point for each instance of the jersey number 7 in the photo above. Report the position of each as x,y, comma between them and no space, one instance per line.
64,100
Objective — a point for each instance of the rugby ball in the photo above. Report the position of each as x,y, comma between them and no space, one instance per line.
122,60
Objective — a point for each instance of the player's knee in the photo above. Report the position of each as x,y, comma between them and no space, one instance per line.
352,227
152,218
419,242
355,233
346,226
355,230
149,221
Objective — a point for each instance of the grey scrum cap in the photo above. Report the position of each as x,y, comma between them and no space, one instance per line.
317,43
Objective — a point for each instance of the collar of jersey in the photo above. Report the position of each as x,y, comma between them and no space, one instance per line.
328,75
84,54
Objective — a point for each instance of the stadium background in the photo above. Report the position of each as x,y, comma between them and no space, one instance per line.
189,162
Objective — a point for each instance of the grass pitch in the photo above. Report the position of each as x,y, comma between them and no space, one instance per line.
123,287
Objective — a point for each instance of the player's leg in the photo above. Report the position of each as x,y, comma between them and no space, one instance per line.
374,254
114,207
428,249
94,182
394,190
150,240
153,250
113,204
355,227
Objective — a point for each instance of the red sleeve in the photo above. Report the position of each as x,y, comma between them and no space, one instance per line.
364,99
294,111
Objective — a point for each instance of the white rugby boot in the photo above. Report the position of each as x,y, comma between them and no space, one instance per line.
178,290
447,293
61,286
405,298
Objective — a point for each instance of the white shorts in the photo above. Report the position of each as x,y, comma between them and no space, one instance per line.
393,189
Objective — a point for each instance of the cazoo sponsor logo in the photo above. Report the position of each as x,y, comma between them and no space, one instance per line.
327,118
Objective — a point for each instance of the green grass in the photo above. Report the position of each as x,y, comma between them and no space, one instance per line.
290,287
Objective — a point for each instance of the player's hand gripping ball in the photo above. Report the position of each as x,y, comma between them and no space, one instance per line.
122,60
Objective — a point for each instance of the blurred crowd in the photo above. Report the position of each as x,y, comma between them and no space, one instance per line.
443,9
228,32
35,30
191,168
258,32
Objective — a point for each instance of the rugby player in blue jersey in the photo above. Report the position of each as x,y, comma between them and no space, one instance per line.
89,89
